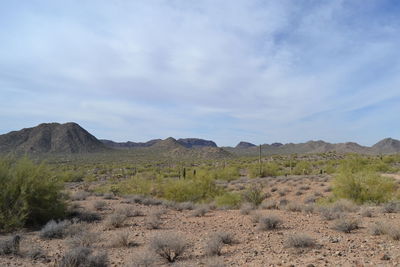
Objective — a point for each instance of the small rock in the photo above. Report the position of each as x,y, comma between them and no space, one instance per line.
385,257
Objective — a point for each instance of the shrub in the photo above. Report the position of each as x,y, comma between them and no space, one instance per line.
53,229
214,246
330,214
344,205
200,211
35,253
367,212
253,195
269,222
346,225
99,205
379,228
10,245
120,239
300,240
168,245
153,222
82,257
194,190
294,207
30,195
302,168
394,232
184,206
84,239
225,237
129,212
362,185
269,169
391,207
115,220
228,200
87,216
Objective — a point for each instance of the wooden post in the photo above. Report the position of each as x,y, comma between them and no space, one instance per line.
259,160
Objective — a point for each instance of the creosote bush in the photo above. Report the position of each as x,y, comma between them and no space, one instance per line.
30,194
168,245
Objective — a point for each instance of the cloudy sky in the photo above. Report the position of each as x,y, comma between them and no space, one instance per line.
226,70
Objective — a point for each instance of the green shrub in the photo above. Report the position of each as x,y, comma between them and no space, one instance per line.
228,200
362,185
29,194
302,168
253,195
195,190
268,169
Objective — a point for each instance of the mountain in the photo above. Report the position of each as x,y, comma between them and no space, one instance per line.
51,138
186,142
243,144
128,144
196,142
387,146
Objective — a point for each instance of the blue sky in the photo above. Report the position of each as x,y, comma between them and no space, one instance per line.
260,71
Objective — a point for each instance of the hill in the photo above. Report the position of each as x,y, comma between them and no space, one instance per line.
387,146
50,138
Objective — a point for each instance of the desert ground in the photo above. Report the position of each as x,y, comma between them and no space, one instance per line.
290,199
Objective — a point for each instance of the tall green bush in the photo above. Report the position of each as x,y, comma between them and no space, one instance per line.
29,194
361,184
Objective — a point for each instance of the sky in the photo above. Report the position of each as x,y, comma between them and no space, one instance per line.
261,71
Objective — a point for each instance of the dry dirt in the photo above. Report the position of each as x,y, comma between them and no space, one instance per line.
253,247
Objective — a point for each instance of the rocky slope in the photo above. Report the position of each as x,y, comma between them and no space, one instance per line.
51,138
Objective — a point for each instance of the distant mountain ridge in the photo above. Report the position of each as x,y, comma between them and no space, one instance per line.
72,138
185,142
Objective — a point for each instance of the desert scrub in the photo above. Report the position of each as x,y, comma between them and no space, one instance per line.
10,245
299,240
115,220
268,169
30,194
269,222
200,210
80,257
360,184
194,190
346,225
168,245
54,230
253,195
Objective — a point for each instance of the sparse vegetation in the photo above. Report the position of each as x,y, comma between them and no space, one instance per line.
269,222
300,240
168,245
346,225
82,257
